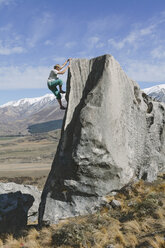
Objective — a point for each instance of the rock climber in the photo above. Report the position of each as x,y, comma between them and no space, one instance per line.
53,81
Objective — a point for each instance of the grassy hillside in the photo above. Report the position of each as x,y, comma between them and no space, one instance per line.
139,222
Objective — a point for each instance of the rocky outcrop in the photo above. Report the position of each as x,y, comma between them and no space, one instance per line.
9,190
112,133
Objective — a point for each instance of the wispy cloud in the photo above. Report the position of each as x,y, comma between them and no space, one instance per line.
41,26
132,38
59,60
95,42
4,2
8,50
10,42
108,23
141,51
143,71
11,45
70,44
158,52
18,77
140,34
27,77
6,28
48,43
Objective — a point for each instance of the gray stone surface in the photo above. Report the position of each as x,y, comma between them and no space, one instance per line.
115,204
6,188
112,133
14,210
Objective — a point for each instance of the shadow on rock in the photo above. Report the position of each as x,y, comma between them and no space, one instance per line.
14,211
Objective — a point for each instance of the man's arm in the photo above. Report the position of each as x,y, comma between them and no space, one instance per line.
62,72
64,64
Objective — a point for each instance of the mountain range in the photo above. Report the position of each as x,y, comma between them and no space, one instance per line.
17,116
157,92
42,113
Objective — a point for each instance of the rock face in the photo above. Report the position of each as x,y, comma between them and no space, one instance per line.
30,191
112,133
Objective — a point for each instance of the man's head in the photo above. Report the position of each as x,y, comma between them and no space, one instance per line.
57,67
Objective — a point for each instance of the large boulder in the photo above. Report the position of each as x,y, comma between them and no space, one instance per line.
112,133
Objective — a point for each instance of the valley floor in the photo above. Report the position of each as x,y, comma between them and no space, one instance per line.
27,159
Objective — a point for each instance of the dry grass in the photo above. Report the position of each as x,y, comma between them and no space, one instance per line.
140,222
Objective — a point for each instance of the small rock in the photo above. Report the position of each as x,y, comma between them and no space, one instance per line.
110,246
115,204
131,203
113,193
106,205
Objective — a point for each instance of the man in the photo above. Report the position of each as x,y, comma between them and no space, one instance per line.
54,81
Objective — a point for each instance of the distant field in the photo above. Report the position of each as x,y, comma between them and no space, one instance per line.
6,137
29,156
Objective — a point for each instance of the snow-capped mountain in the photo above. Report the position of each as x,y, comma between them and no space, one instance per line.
16,116
48,98
157,92
29,101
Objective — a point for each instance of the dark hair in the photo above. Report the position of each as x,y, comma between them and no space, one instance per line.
57,66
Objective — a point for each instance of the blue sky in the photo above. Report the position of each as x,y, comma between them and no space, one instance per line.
36,34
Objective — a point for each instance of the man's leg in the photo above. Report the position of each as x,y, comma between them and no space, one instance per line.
61,91
60,103
60,83
58,96
54,89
